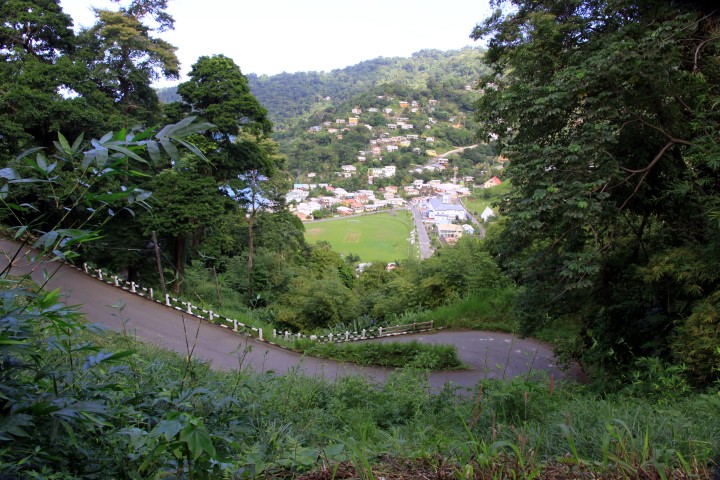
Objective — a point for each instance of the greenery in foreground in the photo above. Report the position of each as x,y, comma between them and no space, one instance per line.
80,402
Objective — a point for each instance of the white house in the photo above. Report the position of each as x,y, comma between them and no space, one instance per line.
487,213
450,210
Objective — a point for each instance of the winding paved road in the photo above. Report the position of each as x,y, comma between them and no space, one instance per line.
489,355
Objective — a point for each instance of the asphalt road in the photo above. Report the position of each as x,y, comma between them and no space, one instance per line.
488,355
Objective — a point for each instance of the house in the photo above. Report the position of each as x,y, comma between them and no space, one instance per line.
344,210
436,206
430,139
388,111
396,201
431,153
404,143
340,121
412,136
373,110
392,126
449,230
376,150
353,121
352,203
392,148
349,168
467,228
486,214
407,126
493,182
404,104
315,129
356,111
414,103
361,158
432,102
389,171
296,196
391,189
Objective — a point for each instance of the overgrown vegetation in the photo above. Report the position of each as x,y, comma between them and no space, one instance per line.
607,112
83,403
412,354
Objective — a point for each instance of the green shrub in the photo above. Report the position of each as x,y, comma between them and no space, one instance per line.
412,354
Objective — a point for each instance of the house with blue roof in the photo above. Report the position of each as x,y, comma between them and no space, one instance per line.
436,206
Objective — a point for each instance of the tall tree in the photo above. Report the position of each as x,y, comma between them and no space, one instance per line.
607,111
243,159
124,59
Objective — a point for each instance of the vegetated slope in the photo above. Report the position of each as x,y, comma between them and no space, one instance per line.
291,95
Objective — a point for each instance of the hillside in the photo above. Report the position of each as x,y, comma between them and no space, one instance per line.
291,95
397,112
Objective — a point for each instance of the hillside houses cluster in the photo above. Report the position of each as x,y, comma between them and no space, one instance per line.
347,203
385,141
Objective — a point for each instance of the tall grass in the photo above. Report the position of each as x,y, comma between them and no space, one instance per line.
287,426
483,310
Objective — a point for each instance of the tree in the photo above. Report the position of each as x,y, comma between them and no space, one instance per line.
605,110
219,92
124,59
185,204
243,159
34,38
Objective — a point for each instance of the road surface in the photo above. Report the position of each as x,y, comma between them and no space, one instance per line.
488,355
423,239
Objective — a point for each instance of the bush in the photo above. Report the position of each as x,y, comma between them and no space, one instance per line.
412,354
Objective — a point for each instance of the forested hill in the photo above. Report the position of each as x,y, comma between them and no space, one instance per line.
291,95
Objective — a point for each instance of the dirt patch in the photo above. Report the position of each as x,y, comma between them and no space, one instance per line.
314,231
353,237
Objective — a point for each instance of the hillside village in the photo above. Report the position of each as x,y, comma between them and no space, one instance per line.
437,199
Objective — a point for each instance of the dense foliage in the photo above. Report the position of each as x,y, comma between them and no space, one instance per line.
608,113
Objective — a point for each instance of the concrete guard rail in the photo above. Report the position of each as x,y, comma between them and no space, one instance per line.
168,301
239,327
364,334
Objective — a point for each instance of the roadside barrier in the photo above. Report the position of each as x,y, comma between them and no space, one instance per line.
239,327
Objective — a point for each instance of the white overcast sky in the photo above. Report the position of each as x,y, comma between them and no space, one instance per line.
274,36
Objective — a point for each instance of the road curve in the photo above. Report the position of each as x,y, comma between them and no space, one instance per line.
487,354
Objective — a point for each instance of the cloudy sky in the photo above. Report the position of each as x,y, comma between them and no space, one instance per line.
274,36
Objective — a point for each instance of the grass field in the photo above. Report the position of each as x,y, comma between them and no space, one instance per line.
380,237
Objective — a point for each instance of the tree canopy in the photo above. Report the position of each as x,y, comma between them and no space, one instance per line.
608,113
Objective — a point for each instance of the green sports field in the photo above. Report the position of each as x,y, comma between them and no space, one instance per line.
379,237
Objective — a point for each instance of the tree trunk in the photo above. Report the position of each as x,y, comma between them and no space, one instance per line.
250,259
179,262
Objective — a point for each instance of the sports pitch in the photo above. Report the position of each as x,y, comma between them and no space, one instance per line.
379,237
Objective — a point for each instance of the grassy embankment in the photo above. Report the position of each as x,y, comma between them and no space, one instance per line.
292,426
485,197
